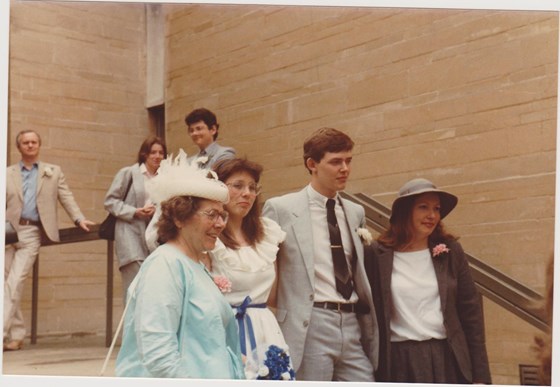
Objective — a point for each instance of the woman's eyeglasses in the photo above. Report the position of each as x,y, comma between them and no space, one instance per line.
214,214
239,186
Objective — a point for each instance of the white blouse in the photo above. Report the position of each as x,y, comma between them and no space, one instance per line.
416,313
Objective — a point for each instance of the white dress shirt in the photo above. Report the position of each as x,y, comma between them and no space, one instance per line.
325,284
147,176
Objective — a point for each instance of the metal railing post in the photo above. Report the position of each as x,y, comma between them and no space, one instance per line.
34,300
109,303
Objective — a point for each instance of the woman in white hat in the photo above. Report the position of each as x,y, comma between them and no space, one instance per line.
429,310
178,324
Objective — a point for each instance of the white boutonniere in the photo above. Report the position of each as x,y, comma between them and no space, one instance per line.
201,160
48,172
440,249
364,235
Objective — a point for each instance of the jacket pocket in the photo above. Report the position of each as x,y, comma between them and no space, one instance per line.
281,315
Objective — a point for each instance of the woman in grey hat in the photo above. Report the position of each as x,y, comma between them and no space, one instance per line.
430,314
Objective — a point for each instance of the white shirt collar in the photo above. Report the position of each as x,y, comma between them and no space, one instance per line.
318,198
145,172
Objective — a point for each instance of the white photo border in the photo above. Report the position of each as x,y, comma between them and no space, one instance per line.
47,381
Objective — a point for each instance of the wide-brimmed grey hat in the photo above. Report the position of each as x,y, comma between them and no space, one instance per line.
419,186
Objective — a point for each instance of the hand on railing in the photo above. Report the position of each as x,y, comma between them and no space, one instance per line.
84,223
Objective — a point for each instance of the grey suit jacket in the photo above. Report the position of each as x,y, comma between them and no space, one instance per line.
296,272
130,244
460,305
51,188
214,153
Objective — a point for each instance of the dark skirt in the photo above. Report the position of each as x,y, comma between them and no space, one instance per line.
430,361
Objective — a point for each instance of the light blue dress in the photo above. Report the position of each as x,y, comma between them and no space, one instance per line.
178,324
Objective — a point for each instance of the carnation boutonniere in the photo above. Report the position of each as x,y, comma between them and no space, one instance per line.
223,283
364,235
440,249
48,172
202,160
277,365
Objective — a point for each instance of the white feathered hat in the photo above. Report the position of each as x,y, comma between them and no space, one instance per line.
177,177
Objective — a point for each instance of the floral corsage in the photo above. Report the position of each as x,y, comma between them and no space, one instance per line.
439,249
48,172
223,283
364,235
276,365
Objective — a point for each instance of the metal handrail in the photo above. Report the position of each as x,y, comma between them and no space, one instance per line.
75,235
492,283
504,290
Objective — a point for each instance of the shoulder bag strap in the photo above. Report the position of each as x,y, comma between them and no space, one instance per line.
128,187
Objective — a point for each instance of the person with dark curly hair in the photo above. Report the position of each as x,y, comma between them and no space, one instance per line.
429,310
203,129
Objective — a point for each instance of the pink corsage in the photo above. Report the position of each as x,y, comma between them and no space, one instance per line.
440,249
223,283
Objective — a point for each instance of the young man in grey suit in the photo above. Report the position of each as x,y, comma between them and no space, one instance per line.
326,314
203,129
33,189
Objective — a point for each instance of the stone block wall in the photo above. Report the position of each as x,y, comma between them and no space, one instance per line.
77,77
465,98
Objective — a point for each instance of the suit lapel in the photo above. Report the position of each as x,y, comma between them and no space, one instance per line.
138,184
301,227
40,176
15,175
353,222
441,264
385,275
211,151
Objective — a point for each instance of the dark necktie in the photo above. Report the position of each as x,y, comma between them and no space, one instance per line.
341,272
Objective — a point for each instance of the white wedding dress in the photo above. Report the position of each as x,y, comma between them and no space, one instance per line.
251,271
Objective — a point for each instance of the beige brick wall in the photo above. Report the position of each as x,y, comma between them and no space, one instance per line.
467,99
77,77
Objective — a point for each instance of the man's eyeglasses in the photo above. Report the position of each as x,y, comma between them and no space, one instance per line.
239,186
214,214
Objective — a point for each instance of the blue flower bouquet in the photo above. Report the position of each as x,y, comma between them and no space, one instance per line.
277,365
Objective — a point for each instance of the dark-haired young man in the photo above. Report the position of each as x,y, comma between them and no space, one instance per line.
324,302
203,128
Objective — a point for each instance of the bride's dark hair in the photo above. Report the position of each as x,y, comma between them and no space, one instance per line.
251,226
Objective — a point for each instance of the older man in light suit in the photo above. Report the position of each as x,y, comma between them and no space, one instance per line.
32,191
324,302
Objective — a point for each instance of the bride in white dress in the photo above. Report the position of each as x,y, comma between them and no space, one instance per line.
245,255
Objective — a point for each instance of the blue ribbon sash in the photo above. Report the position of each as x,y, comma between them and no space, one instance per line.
244,319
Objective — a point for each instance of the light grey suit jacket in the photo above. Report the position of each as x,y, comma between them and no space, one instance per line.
50,188
296,272
130,244
215,153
